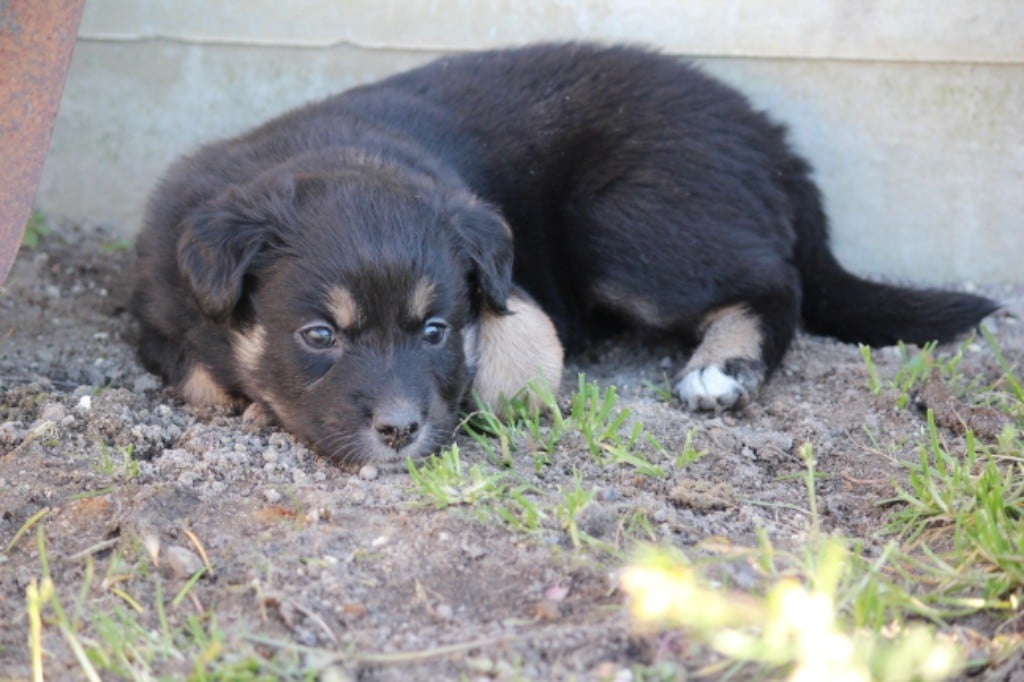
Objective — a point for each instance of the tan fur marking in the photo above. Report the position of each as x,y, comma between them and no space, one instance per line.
422,297
729,332
248,348
202,390
514,350
633,306
343,305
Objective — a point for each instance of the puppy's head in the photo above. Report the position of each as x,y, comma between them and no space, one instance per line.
352,296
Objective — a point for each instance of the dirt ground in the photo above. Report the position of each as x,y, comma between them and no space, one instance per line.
312,555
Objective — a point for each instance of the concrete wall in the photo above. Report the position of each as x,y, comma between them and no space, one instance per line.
911,112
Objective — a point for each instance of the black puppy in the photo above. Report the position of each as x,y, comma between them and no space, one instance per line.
352,268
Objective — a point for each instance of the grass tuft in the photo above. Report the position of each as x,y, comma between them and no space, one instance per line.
444,480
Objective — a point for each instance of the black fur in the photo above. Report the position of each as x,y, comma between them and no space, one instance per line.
636,188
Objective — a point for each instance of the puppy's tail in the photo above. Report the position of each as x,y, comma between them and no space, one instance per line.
840,304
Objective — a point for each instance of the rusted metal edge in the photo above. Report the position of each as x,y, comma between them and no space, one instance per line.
36,41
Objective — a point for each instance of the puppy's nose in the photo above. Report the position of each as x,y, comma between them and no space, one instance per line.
397,425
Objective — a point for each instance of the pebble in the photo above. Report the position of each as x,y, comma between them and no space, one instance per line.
336,673
145,382
182,562
84,403
53,412
368,472
9,434
474,552
271,496
279,442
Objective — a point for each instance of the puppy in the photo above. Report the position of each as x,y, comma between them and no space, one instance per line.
352,268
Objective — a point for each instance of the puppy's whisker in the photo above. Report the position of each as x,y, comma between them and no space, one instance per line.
336,441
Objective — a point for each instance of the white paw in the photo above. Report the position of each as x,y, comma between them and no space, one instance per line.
709,388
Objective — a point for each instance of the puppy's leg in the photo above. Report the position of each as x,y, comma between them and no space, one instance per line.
510,351
740,345
726,368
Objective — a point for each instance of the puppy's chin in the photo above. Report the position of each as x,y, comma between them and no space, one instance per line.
427,442
355,449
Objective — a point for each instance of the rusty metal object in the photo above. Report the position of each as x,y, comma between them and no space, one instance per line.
36,40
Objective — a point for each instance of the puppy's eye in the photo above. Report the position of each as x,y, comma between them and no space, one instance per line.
318,336
435,331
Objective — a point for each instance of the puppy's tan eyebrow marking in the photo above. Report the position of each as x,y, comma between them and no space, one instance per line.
422,296
343,305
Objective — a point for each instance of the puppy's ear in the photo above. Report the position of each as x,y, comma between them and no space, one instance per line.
221,239
486,242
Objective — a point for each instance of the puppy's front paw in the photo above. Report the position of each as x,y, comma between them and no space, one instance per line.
715,387
257,416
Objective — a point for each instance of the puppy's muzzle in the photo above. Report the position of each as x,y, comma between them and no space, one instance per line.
397,424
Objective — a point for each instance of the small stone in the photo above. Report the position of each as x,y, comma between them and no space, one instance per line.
271,496
9,434
480,664
545,609
84,403
444,611
182,562
335,673
474,552
597,520
53,412
368,472
145,382
279,442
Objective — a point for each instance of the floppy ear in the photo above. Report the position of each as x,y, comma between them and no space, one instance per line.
486,242
221,239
